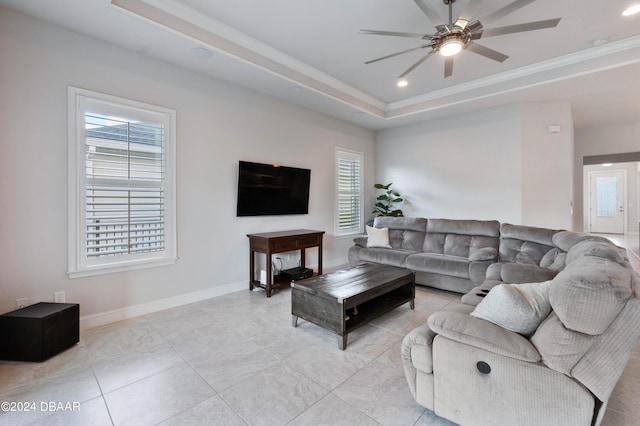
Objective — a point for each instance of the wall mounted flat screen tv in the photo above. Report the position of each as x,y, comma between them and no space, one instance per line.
268,189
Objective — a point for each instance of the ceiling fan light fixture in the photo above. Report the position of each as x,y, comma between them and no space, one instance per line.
450,47
631,10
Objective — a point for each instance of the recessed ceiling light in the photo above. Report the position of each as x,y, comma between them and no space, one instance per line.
631,10
402,83
201,52
607,164
296,90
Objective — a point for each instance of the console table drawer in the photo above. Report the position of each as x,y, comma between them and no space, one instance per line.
310,241
285,245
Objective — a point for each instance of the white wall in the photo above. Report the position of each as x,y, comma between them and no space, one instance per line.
498,164
465,167
547,165
217,125
614,139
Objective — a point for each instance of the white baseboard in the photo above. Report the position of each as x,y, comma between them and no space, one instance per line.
108,317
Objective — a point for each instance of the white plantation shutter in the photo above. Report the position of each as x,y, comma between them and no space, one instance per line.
123,198
349,192
125,195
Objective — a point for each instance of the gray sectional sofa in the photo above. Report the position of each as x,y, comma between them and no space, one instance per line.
446,254
545,326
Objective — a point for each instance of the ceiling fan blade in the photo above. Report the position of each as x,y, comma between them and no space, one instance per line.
397,34
429,11
467,13
397,53
519,28
414,66
486,52
448,66
510,8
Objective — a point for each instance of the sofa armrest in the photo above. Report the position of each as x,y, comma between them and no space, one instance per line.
416,348
478,270
482,334
519,273
361,240
485,253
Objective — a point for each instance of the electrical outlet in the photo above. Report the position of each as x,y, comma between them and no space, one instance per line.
22,303
59,297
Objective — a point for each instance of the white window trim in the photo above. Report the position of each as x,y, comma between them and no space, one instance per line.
341,153
77,264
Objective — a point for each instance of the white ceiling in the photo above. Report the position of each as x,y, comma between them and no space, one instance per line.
310,53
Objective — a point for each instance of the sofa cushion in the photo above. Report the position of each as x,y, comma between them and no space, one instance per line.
542,236
384,256
516,307
606,250
462,238
518,251
418,224
589,294
490,228
484,253
404,233
378,237
559,347
439,264
524,244
517,273
564,240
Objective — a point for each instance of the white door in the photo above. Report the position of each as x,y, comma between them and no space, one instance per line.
607,201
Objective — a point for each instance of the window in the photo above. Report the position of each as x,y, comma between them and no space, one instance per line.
349,192
121,184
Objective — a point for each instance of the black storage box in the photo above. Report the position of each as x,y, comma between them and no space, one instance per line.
39,331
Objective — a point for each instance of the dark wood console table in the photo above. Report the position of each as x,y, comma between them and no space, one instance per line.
279,242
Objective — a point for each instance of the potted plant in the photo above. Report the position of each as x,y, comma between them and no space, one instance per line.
386,202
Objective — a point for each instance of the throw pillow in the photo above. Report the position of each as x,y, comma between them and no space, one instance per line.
516,307
378,237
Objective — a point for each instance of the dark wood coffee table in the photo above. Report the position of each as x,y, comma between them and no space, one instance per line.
345,300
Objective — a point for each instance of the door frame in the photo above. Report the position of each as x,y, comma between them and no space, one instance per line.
587,198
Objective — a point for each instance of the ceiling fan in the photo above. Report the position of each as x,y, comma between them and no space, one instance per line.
454,36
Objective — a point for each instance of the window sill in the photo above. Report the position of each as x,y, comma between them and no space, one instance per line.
119,267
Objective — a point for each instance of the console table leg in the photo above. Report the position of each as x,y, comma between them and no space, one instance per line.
251,270
342,342
294,320
412,304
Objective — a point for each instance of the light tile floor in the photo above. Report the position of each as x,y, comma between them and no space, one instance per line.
236,360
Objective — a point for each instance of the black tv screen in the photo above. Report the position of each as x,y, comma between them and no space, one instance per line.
269,189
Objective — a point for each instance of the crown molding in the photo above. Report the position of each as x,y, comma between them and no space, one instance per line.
612,55
205,30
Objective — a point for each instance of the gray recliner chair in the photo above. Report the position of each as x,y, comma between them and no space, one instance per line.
468,366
